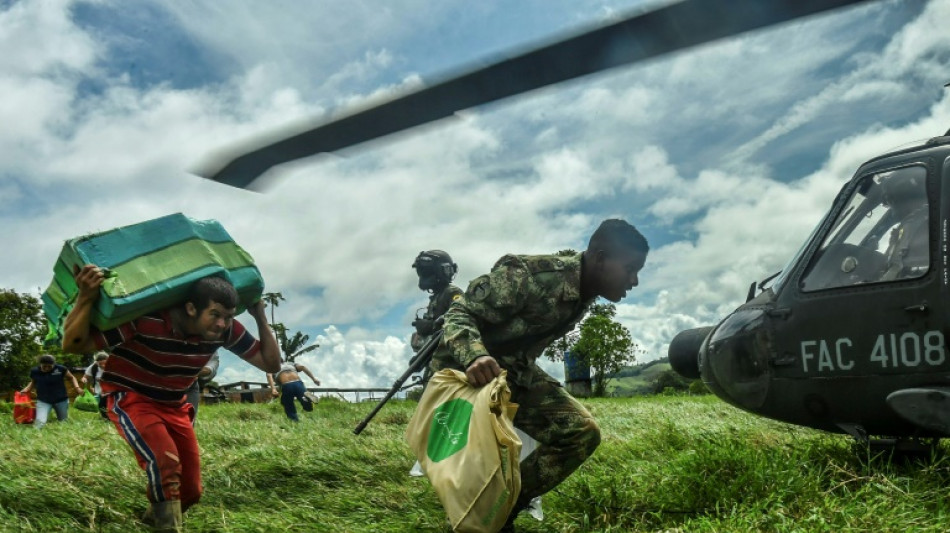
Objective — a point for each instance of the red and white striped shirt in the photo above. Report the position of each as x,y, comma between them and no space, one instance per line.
147,357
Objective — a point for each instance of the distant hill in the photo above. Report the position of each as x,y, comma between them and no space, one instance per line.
638,379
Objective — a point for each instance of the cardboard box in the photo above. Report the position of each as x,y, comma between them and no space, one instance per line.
151,266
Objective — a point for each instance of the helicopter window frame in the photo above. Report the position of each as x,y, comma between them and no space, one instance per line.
862,262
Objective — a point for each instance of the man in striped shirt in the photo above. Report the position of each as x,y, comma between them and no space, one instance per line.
153,360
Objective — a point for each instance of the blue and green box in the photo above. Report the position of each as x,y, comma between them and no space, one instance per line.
151,266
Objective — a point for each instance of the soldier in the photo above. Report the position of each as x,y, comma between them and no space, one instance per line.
908,250
508,317
436,270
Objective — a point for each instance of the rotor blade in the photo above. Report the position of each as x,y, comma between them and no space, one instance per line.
643,36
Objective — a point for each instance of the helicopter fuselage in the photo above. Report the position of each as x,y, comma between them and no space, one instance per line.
851,337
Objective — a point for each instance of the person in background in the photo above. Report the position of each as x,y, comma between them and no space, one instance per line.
908,250
291,388
153,361
49,380
435,270
205,375
90,380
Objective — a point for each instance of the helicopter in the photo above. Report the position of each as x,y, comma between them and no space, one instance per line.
847,338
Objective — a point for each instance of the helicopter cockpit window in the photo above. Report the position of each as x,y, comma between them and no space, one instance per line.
882,235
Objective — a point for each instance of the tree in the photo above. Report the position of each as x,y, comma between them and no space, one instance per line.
669,380
272,299
22,330
600,342
294,347
604,344
556,350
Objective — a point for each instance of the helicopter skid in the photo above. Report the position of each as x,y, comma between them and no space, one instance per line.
928,407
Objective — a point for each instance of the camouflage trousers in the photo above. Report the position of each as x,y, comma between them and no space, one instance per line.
566,433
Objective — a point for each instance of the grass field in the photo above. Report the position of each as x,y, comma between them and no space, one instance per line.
666,464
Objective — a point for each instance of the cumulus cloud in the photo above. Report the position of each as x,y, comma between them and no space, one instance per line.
676,146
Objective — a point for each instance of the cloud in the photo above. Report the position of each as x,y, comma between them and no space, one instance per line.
355,359
680,146
918,51
40,38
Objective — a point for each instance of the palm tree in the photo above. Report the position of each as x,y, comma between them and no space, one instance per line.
273,299
295,346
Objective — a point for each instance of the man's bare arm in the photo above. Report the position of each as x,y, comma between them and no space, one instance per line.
76,338
268,358
306,371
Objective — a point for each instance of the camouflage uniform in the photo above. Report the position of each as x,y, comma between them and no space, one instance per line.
513,314
439,303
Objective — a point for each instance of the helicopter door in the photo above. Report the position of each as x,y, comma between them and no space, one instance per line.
863,321
862,308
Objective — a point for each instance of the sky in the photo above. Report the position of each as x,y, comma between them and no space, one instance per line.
724,156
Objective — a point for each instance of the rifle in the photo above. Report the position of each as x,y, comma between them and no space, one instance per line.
419,362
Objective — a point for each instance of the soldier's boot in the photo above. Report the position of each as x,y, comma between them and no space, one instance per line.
167,517
148,517
509,525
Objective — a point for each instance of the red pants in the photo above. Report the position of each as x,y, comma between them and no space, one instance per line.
164,443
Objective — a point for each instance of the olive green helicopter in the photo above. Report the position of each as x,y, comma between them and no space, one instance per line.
847,338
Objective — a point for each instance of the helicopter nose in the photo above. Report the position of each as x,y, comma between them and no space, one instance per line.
684,351
734,361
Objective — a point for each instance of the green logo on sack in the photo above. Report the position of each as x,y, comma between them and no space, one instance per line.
449,431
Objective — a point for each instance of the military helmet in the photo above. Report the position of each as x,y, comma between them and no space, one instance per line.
437,264
904,185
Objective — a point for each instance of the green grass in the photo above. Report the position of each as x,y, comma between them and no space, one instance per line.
681,464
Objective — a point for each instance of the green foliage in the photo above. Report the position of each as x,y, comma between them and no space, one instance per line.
556,350
641,369
652,378
698,387
666,463
295,346
670,380
272,299
280,331
292,346
22,329
604,344
638,379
